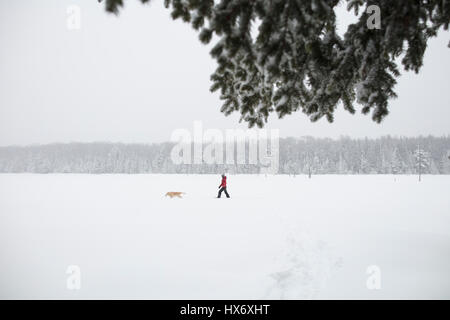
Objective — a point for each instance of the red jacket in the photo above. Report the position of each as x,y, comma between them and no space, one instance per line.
223,184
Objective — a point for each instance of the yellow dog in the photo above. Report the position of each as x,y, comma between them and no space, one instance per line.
175,194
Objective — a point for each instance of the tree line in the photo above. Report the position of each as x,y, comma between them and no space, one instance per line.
307,155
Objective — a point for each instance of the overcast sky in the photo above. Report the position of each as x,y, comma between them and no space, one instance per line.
139,76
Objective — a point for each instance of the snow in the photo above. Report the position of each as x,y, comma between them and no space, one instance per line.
278,237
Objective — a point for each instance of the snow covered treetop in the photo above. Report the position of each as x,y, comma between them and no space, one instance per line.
296,61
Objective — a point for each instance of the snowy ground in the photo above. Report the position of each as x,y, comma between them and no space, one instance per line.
277,237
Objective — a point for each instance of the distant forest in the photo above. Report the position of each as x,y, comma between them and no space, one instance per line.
386,155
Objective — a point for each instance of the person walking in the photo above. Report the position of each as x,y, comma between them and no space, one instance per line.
223,187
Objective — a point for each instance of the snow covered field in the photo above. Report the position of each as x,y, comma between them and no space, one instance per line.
277,237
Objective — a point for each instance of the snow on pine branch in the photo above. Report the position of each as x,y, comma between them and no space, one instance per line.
286,56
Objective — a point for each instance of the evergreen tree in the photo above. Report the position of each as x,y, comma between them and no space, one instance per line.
395,163
445,164
296,61
364,164
342,165
422,161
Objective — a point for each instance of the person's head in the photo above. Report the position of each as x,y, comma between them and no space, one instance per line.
223,175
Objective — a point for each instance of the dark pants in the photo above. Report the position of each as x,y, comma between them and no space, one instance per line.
220,192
